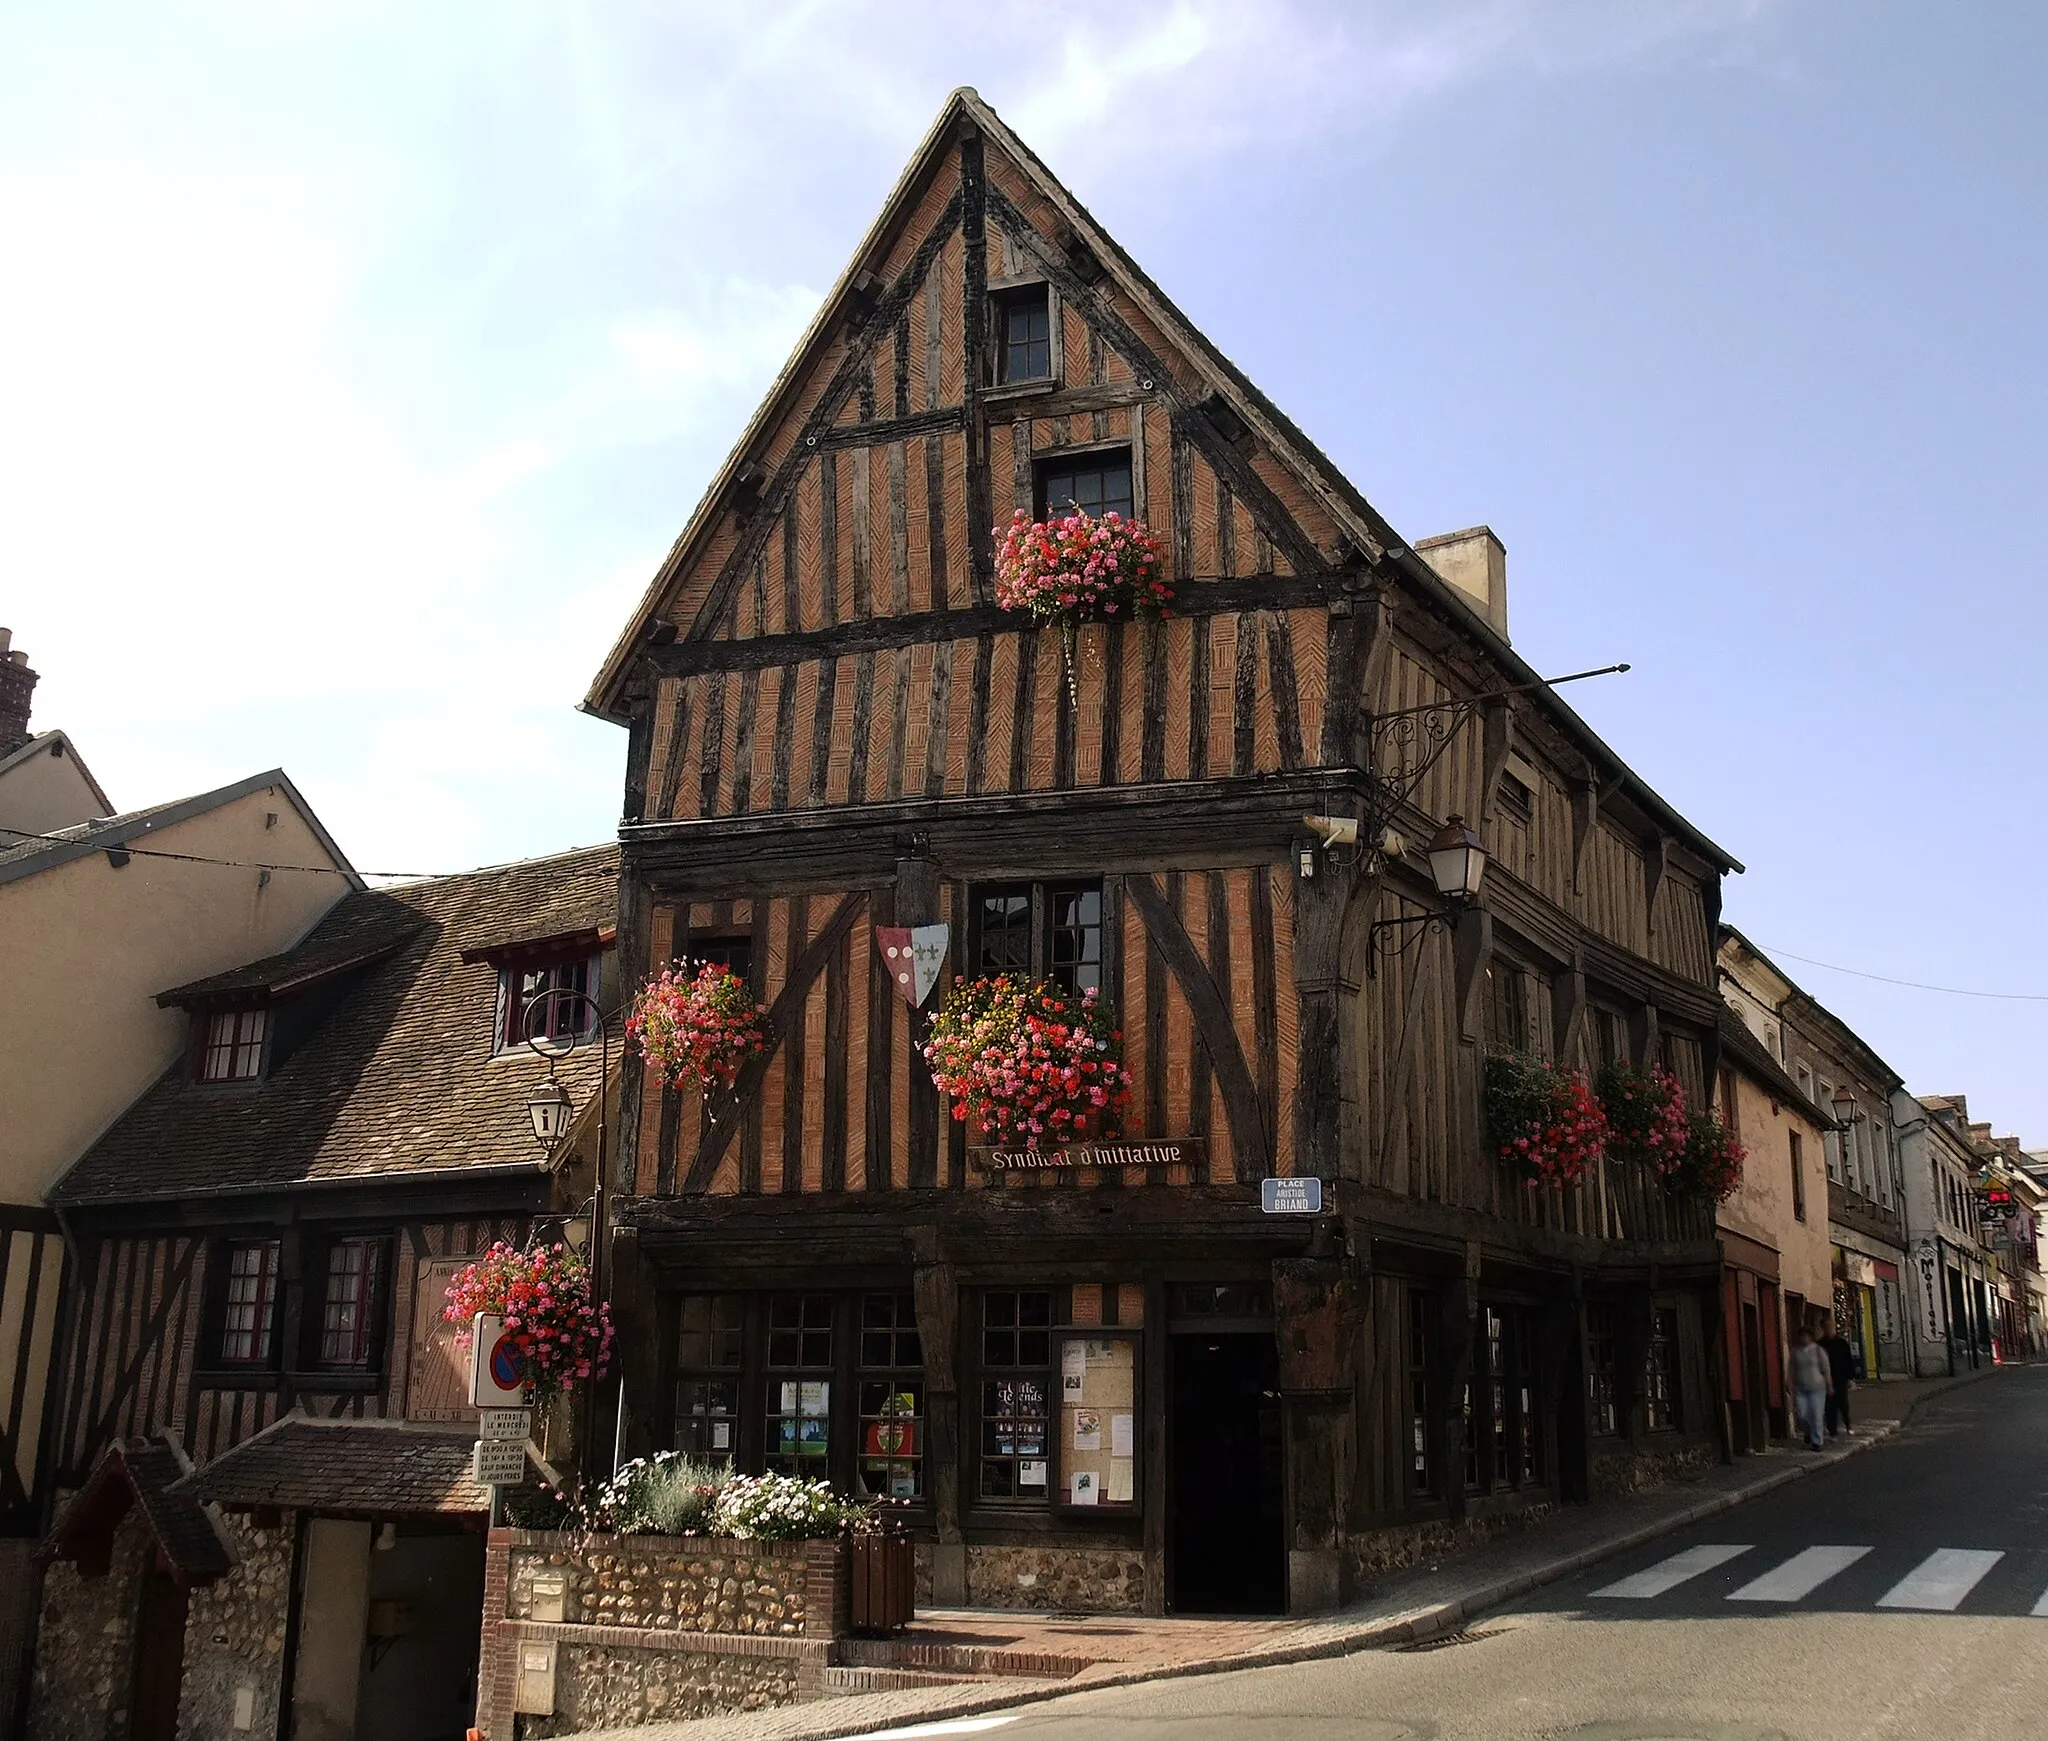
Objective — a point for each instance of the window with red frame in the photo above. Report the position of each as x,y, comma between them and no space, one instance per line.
348,1303
248,1302
565,1017
234,1045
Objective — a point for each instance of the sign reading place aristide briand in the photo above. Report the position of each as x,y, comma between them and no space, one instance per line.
1177,1151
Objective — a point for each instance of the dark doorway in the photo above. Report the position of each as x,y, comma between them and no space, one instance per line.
159,1658
1755,1423
1229,1533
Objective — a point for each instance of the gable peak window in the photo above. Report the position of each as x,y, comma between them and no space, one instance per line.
522,988
1050,931
233,1046
1097,483
1023,334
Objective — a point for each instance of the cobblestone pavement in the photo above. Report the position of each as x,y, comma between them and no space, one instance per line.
1409,1605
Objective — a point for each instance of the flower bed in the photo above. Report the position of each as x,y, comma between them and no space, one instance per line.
544,1297
697,1027
1647,1119
1028,1064
1543,1118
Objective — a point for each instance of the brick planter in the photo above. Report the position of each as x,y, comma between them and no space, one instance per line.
587,1631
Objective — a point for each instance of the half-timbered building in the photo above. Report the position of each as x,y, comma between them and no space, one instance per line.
261,1420
1118,1383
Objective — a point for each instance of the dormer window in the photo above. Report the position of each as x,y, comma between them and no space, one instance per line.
1023,335
233,1047
524,990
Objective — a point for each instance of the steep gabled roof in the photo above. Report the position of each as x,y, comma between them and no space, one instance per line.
1359,524
395,1078
26,857
57,743
150,1474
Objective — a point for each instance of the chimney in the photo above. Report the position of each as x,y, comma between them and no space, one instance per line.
17,684
1476,563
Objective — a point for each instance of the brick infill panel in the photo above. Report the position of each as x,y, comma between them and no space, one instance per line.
968,1659
671,1639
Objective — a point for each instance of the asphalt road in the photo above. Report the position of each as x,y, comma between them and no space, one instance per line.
1766,1624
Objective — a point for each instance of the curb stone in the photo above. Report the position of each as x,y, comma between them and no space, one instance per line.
1328,1638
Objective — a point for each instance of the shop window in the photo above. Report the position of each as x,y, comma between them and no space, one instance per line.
1023,323
709,1342
1097,483
798,1411
350,1306
1422,1310
234,1045
247,1303
892,1417
1604,1416
1662,1376
1050,931
1016,1395
1503,1441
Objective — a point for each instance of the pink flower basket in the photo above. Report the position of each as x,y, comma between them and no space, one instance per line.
697,1027
1028,1064
1076,568
544,1296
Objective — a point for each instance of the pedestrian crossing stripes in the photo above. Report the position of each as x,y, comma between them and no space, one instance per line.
1938,1584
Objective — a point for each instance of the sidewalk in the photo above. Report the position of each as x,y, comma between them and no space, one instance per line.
1083,1654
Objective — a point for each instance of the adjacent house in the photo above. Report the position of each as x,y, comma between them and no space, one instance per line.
1109,1379
1953,1278
44,782
260,1417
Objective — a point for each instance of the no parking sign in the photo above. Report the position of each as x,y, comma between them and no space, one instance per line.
493,1364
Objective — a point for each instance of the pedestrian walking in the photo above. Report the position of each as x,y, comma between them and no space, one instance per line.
1811,1380
1841,1374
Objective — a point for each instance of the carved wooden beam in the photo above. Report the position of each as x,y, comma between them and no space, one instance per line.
1498,727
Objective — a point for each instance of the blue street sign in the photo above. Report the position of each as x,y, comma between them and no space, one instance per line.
1291,1196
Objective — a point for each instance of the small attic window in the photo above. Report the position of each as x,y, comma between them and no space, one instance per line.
233,1046
566,1018
1097,483
1023,334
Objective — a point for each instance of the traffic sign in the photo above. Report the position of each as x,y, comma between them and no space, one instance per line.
1291,1196
505,1424
498,1462
494,1378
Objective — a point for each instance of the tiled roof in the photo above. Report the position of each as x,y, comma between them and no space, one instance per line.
150,1473
360,1467
367,932
394,1076
1744,1047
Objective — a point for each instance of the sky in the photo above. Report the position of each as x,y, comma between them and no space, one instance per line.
359,363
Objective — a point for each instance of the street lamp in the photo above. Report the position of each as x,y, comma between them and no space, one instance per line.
1457,866
1844,1104
551,1109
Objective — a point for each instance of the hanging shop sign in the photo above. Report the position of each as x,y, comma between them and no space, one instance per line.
915,955
1177,1151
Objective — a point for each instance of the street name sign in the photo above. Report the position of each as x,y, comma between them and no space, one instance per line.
1291,1196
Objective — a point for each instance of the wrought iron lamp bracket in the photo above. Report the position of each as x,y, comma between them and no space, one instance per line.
1393,936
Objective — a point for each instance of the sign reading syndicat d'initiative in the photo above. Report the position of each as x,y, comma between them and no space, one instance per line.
1276,1196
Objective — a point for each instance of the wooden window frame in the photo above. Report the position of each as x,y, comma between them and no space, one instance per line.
260,1369
1046,465
514,1000
373,1304
1519,1413
206,1049
1003,295
986,1371
1664,1404
1603,1332
1798,1146
883,1373
1042,927
706,1372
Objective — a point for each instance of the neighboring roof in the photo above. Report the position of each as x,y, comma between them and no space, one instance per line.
361,1468
318,959
45,743
1315,471
1739,1043
1799,995
148,1473
395,1078
45,852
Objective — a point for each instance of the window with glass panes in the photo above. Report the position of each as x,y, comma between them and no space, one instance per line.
234,1045
1050,931
1510,1440
1096,483
1422,1309
1507,1022
1661,1388
709,1343
1024,335
248,1302
891,1461
348,1302
1016,1395
564,1017
1600,1370
798,1410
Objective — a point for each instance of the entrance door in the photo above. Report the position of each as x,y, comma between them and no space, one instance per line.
1229,1541
159,1658
1755,1423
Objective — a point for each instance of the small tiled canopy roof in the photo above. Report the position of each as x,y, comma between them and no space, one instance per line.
386,1069
356,1468
150,1473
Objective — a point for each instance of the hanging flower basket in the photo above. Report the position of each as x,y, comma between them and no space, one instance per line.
1646,1115
544,1297
1544,1120
697,1027
1710,1165
1079,569
1028,1064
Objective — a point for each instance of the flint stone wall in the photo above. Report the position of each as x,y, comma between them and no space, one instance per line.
234,1636
1086,1580
85,1646
1639,1468
615,1687
667,1583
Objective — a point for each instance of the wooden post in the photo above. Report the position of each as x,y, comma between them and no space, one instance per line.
936,1286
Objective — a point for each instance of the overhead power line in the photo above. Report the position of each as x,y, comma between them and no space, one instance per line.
1912,984
322,870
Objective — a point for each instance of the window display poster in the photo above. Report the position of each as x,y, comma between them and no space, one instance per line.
1031,1473
1098,1426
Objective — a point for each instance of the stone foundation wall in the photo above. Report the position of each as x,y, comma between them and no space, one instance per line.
85,1647
681,1584
1087,1580
1638,1468
610,1686
1376,1554
234,1636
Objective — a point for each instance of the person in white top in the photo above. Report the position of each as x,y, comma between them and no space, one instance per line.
1811,1380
